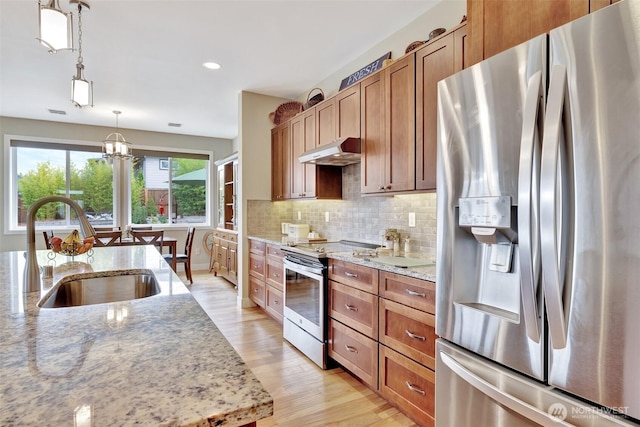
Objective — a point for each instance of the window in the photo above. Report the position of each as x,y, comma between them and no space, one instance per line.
165,187
175,194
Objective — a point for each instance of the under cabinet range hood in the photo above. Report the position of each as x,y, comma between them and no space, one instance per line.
341,152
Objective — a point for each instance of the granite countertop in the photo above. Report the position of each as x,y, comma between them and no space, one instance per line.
152,361
426,272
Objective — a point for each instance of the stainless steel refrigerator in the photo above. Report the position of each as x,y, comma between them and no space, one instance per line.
538,239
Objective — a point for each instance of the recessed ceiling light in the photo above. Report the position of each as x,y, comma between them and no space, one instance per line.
211,65
61,112
175,125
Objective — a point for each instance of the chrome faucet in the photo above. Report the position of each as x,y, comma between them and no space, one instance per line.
32,270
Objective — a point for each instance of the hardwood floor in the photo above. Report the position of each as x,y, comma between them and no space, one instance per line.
304,395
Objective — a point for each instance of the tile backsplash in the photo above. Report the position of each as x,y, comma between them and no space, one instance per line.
354,217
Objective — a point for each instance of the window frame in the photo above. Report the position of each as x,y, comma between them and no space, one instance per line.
121,181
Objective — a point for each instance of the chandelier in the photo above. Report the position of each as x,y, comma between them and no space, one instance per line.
55,28
115,146
81,88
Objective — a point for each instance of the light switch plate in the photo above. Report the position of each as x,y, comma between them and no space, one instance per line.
326,217
299,215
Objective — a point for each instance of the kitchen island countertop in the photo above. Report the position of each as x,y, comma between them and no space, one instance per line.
151,361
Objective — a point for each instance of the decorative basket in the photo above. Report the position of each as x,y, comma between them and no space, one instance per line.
286,111
313,100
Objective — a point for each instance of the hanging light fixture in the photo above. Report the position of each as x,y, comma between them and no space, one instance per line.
81,88
55,28
115,146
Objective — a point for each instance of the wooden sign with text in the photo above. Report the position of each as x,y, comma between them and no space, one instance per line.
364,71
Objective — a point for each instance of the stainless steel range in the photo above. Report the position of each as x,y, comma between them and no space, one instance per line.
305,295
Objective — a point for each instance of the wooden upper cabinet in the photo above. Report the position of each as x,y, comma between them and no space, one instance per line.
497,25
302,139
434,62
338,116
280,162
348,112
387,103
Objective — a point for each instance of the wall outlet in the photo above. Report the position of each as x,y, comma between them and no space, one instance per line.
326,217
299,215
412,219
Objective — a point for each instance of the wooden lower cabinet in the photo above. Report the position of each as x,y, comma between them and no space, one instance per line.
355,352
408,385
224,255
266,277
257,291
274,303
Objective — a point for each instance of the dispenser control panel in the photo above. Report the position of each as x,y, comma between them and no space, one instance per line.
492,212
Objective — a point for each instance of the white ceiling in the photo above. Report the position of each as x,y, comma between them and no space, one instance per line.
145,57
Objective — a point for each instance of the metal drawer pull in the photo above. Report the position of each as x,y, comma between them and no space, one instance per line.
350,348
416,294
351,307
418,337
276,275
346,273
276,302
414,388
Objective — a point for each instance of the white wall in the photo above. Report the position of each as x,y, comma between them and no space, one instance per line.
254,169
64,131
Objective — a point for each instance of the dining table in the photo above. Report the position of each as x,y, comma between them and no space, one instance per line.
170,242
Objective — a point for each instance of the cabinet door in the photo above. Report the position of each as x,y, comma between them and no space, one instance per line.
257,291
354,351
387,103
232,260
274,303
434,62
355,308
348,112
224,257
372,135
497,25
257,266
326,122
400,120
302,139
280,163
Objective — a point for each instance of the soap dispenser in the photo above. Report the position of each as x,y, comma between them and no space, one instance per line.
407,246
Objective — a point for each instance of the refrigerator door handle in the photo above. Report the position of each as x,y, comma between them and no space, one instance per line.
553,206
519,406
528,201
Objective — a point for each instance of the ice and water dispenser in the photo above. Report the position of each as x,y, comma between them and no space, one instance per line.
492,279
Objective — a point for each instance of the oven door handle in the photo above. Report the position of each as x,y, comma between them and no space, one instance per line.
299,268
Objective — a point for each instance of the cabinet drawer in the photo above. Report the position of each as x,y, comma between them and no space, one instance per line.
363,278
257,247
416,293
408,385
275,273
274,303
232,237
409,331
354,351
257,291
354,308
274,251
256,266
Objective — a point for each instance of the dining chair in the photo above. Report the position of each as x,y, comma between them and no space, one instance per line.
107,238
184,258
47,238
148,237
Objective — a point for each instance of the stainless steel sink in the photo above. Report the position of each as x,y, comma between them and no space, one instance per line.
98,290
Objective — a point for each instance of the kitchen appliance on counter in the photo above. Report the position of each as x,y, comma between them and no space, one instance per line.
298,231
537,235
306,294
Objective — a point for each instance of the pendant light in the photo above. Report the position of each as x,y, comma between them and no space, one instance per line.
81,88
115,146
55,28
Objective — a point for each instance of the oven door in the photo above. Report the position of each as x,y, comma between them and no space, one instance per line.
304,294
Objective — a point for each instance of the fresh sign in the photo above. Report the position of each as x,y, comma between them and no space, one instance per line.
364,71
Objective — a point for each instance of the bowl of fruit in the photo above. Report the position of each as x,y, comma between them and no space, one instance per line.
73,244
